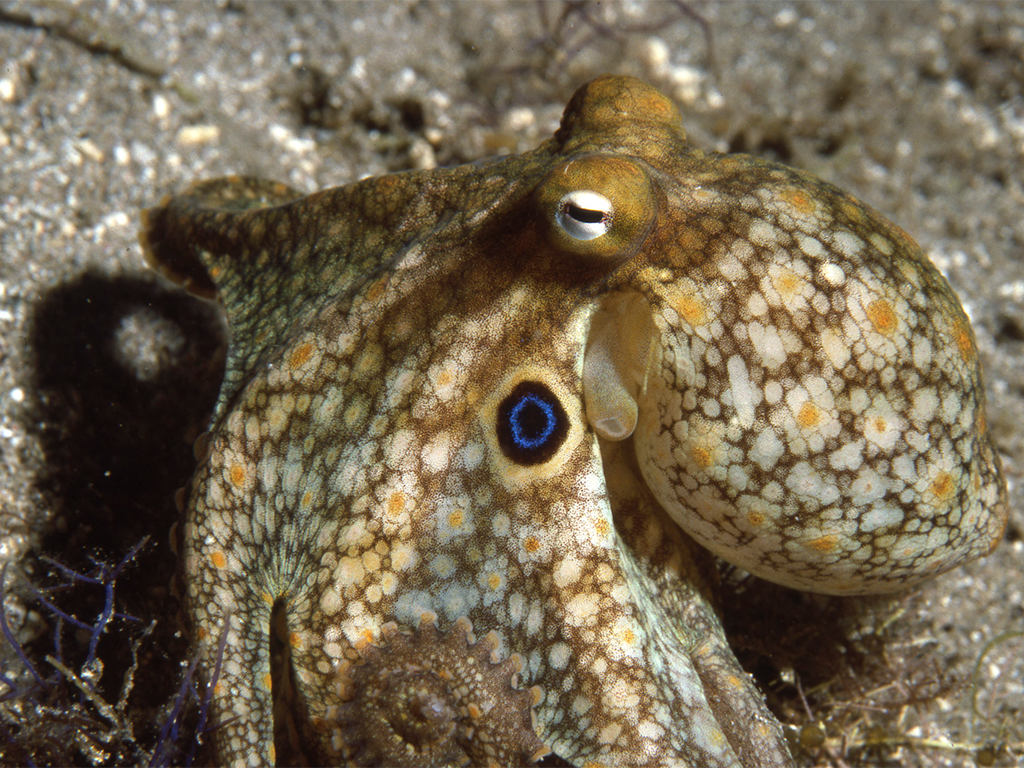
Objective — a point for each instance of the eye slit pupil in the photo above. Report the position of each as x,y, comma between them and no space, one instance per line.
585,215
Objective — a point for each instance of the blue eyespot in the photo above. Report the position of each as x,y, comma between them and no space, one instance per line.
532,424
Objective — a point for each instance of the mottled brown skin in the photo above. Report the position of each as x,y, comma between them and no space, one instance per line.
437,699
490,393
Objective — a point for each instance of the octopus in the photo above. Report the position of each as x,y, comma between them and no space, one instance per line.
481,427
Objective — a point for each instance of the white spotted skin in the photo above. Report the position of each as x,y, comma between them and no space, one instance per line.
808,406
816,414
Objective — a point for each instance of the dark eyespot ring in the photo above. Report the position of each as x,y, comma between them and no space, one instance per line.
532,424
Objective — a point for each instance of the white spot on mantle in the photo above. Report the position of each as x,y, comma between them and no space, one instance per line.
744,397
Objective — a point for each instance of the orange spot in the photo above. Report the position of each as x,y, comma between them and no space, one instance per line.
943,486
657,107
474,711
377,289
295,640
456,518
628,636
809,415
267,598
444,378
218,688
702,456
798,199
201,634
787,284
601,526
272,753
307,499
851,210
215,273
218,559
824,543
532,544
691,309
755,518
880,424
365,638
237,475
494,581
964,342
396,503
301,354
267,680
881,315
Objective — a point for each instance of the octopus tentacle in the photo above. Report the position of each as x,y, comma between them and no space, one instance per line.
427,697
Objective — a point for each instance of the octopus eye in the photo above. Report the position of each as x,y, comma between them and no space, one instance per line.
597,207
532,424
584,215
